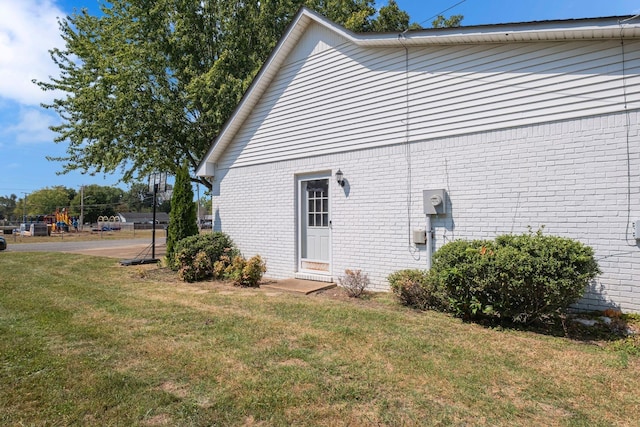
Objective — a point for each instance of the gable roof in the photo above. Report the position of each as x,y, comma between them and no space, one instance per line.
559,30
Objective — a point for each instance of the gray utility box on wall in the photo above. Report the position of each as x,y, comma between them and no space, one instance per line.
419,237
435,202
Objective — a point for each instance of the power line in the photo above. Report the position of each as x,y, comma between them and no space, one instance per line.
438,14
19,190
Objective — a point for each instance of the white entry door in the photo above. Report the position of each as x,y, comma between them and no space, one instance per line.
314,225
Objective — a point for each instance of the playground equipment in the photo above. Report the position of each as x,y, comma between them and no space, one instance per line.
109,223
62,221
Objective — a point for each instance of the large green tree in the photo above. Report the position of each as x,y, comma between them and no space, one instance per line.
44,201
148,84
138,198
7,207
98,201
391,18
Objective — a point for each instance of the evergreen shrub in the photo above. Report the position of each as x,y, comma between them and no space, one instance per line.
183,215
195,256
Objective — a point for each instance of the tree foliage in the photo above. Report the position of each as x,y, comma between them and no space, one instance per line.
138,198
149,83
44,201
442,22
99,200
182,218
391,18
8,205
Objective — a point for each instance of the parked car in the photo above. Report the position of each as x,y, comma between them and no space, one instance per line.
3,244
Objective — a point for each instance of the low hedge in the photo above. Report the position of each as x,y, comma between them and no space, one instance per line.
516,277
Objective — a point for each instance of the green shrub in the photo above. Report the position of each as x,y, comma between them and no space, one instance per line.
195,256
517,277
240,271
413,289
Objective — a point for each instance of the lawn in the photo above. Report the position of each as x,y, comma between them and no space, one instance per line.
84,236
84,341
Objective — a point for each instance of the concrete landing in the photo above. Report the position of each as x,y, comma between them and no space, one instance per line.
297,285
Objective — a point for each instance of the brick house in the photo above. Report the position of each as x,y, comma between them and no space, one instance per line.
512,125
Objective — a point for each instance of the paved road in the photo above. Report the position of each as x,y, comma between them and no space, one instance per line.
126,248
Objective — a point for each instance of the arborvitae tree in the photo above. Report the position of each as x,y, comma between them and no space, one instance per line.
183,217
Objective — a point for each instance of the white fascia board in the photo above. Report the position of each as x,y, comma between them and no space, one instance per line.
581,29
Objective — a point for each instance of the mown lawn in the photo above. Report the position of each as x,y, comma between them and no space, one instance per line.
84,341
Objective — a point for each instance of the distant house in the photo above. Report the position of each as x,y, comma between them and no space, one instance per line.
143,217
510,126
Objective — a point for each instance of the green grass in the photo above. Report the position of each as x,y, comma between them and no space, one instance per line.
84,341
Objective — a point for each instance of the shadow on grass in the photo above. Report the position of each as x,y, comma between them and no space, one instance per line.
614,330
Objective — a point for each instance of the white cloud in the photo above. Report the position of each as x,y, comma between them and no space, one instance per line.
28,29
31,127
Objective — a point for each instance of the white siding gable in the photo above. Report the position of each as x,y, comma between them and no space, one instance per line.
332,96
313,42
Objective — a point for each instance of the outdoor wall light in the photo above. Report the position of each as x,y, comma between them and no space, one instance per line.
340,178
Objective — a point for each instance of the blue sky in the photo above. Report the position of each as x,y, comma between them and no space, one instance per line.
28,29
479,12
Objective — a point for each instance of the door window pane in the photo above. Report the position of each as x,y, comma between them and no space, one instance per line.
318,203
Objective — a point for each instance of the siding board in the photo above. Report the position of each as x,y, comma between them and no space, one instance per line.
330,90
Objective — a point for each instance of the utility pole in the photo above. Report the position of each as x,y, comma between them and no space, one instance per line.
82,208
24,208
199,220
157,182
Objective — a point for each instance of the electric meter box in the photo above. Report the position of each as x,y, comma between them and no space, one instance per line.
434,201
636,230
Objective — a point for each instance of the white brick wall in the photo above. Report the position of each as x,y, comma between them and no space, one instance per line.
570,176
